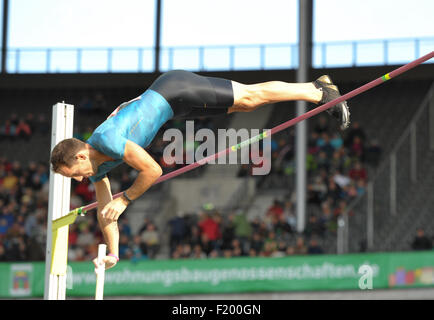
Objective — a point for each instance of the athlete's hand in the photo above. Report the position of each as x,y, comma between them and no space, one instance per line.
109,262
114,209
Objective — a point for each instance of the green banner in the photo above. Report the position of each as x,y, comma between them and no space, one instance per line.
234,275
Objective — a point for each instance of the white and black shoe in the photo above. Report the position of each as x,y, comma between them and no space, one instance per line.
331,92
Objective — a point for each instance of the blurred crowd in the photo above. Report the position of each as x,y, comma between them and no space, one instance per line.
16,128
211,234
23,210
337,167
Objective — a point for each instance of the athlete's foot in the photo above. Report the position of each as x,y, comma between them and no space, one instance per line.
331,92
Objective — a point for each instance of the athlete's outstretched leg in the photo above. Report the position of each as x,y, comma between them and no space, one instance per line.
248,97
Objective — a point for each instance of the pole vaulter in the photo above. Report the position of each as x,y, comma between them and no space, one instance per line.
71,216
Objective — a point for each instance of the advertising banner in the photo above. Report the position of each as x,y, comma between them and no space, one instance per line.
234,275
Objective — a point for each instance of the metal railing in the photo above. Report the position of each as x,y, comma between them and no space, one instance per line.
388,190
214,58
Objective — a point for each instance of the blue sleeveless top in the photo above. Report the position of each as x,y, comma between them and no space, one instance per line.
137,120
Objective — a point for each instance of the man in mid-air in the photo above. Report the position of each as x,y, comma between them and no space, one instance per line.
134,124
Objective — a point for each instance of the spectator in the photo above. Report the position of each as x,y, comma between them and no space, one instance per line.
84,190
270,248
252,252
75,200
176,254
257,242
421,242
30,120
237,249
210,228
357,148
198,253
214,254
151,238
317,190
314,227
207,246
10,181
290,216
325,145
290,251
281,250
323,161
16,250
333,192
263,229
124,226
358,172
300,247
341,208
144,225
3,227
30,225
361,187
178,230
138,249
255,223
337,161
242,229
228,233
327,219
351,190
23,130
34,251
195,238
341,180
186,251
124,243
314,247
282,228
8,130
312,143
85,237
355,131
276,209
336,141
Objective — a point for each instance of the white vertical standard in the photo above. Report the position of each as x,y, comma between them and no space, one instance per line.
100,272
56,258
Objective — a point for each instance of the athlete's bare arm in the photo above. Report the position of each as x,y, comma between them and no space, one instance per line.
149,172
149,169
109,228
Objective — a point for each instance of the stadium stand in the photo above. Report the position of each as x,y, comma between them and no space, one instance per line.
265,227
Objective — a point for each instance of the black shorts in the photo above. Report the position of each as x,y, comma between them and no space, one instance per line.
191,95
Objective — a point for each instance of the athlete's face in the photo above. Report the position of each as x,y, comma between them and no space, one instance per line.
82,168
